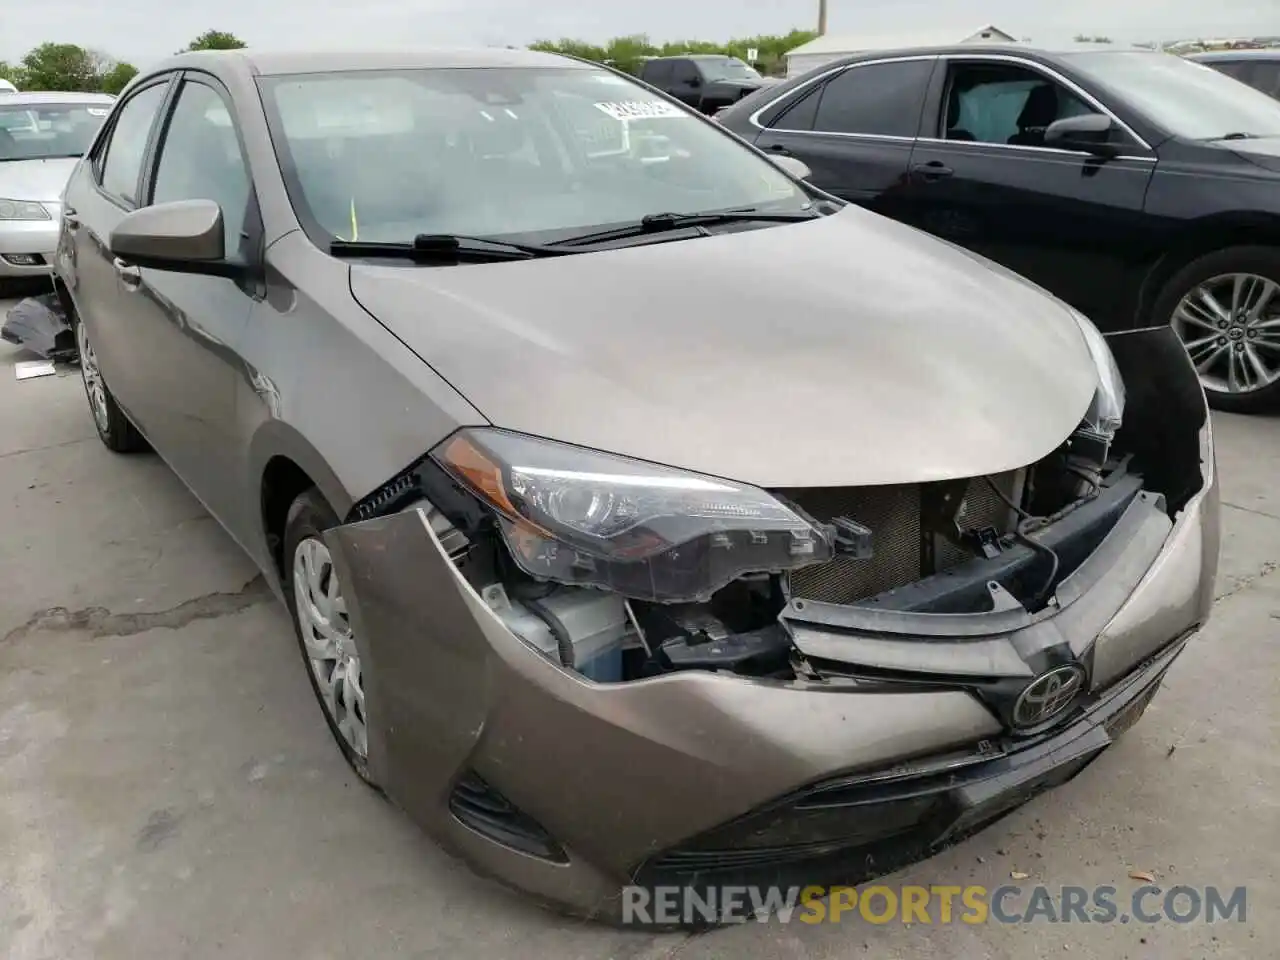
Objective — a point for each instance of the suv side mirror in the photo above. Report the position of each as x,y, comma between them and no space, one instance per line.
695,81
792,165
185,236
1090,133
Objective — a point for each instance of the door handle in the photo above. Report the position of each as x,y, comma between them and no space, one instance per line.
933,170
778,149
129,275
71,218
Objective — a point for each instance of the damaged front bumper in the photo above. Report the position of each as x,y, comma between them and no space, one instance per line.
909,730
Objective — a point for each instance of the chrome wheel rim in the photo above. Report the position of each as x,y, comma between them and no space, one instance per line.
1230,326
330,647
94,388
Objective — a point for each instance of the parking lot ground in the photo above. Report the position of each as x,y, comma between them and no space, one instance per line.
168,789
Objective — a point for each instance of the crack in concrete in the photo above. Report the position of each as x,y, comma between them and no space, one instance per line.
1244,583
51,446
1253,510
101,622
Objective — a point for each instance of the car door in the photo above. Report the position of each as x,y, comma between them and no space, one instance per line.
855,129
686,82
102,191
983,177
188,325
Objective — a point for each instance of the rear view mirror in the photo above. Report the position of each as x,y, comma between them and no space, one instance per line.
1090,133
186,236
793,165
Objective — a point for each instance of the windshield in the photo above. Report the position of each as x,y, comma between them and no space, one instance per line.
35,131
533,154
730,68
1188,99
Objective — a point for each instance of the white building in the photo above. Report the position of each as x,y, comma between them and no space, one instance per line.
828,48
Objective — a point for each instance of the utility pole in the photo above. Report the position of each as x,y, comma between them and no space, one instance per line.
822,18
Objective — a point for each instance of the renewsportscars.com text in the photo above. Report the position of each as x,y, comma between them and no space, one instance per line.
937,904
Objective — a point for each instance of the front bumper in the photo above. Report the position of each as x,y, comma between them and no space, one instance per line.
27,246
570,790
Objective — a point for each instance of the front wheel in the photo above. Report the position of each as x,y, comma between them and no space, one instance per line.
329,648
1225,307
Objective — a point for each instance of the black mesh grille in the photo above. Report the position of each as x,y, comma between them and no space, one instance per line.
482,808
893,515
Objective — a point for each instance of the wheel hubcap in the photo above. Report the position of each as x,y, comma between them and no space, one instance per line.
331,649
94,388
1230,326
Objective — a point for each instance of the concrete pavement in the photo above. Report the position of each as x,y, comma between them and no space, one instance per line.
168,789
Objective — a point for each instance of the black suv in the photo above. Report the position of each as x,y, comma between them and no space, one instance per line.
1260,69
706,83
1139,187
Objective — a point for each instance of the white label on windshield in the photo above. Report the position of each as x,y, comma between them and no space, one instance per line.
640,109
97,111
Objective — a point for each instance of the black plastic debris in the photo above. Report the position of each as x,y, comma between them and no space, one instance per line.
40,324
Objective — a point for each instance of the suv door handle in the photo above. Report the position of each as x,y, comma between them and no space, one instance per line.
933,170
129,275
778,149
71,218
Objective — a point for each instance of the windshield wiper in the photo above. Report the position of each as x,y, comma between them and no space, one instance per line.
662,222
444,248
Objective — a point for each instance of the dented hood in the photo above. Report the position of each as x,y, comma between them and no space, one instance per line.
847,350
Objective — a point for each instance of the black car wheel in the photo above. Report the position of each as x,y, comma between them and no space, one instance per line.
1225,307
324,633
114,428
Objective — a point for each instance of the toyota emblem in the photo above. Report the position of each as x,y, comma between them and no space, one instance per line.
1047,696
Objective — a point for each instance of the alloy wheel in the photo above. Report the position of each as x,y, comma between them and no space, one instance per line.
330,647
94,388
1230,325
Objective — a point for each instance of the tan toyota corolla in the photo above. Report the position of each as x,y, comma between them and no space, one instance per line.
646,515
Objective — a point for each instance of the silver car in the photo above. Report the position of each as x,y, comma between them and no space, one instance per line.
42,135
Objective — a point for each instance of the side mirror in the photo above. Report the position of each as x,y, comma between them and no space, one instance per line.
185,236
1090,133
695,81
792,165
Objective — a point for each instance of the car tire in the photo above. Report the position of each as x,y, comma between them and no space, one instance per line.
115,430
329,654
1223,337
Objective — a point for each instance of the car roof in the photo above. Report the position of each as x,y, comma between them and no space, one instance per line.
1014,48
269,63
29,97
1210,56
694,56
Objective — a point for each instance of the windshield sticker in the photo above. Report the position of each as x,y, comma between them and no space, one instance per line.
640,109
609,78
97,111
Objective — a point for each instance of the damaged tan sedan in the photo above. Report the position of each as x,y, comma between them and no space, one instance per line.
647,516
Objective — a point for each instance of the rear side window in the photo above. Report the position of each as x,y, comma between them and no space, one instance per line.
128,143
801,114
882,99
658,73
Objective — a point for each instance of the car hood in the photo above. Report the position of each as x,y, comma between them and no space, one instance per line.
40,180
848,350
1264,151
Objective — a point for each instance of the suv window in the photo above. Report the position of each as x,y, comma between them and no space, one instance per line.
658,73
684,73
1262,75
128,142
200,158
1005,104
879,98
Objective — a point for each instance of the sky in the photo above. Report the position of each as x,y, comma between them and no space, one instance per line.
142,31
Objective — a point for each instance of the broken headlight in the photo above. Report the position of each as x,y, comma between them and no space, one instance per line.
577,516
1106,411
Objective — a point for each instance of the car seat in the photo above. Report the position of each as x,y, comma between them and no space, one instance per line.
953,117
1040,110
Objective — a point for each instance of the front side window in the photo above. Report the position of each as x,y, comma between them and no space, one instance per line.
1189,100
535,153
1003,104
41,131
122,167
882,99
200,159
685,74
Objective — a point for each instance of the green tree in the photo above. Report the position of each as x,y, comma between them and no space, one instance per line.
118,77
215,40
62,66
